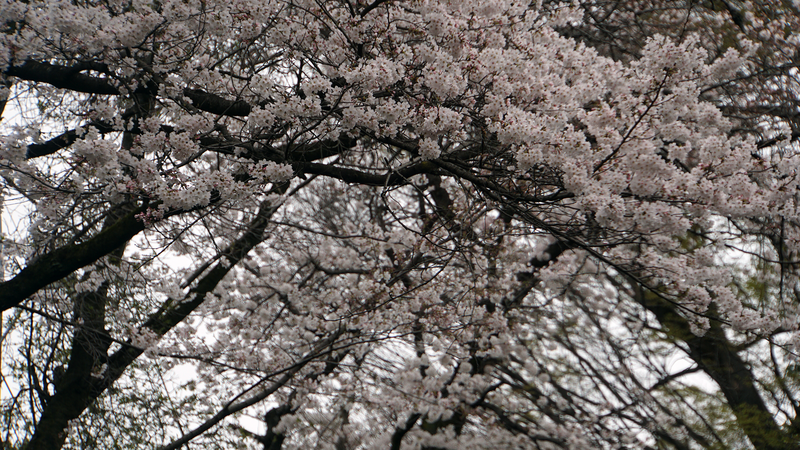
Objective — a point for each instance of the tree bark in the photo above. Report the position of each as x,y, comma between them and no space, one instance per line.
718,358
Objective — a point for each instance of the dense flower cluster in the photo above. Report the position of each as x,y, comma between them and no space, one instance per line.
411,224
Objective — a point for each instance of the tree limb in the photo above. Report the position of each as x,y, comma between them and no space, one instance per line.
232,408
59,263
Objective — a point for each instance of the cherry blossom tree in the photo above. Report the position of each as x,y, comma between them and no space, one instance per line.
399,224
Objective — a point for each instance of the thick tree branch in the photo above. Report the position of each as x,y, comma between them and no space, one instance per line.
63,140
273,440
176,310
61,262
63,77
5,88
717,357
391,178
323,149
215,104
88,351
400,432
73,79
172,312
